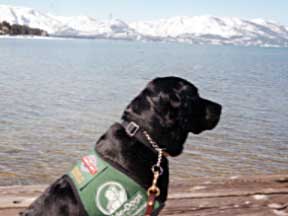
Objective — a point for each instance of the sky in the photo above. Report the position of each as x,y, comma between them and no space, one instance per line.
133,10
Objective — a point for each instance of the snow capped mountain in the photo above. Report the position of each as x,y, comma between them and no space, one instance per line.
215,30
196,30
90,27
198,25
78,26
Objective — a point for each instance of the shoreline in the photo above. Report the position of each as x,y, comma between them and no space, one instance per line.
32,37
128,40
235,195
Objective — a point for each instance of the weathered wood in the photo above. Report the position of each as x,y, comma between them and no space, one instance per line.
257,196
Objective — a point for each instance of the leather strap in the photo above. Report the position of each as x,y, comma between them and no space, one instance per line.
150,204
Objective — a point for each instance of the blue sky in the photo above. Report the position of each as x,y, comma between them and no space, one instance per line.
152,9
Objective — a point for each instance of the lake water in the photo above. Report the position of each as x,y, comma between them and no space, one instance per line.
58,96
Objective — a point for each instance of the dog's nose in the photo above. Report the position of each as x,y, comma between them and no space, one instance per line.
213,112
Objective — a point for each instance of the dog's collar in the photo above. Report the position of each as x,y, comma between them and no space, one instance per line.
134,130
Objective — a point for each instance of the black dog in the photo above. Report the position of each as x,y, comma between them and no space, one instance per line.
168,109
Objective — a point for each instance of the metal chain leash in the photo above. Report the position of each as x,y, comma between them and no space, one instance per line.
154,191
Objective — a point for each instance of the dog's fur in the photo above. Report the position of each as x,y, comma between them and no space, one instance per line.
168,109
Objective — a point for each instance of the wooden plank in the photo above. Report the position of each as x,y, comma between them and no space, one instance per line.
257,196
236,195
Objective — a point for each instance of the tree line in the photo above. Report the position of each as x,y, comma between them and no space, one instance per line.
16,29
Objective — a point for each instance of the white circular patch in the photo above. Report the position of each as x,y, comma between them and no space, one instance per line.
110,196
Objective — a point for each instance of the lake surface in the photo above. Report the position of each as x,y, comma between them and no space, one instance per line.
58,96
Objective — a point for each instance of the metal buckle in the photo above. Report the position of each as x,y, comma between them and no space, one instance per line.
132,128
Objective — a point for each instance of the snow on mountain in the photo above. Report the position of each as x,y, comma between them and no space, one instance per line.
215,30
198,25
90,27
196,30
78,26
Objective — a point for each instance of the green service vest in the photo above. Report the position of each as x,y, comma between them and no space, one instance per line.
104,190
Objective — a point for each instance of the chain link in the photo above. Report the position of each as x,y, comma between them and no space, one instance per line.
158,149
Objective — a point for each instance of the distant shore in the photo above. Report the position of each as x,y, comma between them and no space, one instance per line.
31,37
236,195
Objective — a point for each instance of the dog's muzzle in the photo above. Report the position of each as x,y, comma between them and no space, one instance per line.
213,112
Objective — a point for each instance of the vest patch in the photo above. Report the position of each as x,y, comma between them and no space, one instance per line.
134,207
79,178
110,196
89,164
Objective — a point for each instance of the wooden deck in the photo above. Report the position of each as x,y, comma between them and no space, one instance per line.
236,195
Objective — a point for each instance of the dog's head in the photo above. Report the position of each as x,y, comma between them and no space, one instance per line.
168,109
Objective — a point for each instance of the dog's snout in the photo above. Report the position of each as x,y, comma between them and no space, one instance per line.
213,112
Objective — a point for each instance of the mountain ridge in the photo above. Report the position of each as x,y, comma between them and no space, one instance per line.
188,29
